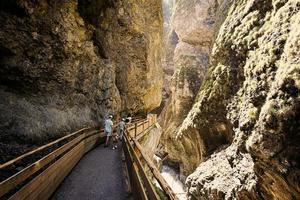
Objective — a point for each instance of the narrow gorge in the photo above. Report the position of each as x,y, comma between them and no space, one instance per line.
223,77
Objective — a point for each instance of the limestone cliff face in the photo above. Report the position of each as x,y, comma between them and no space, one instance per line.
244,125
193,23
170,40
132,33
66,64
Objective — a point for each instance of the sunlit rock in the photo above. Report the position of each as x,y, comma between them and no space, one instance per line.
252,89
67,64
192,23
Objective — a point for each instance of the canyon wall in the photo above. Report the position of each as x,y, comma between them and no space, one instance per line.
170,40
191,32
67,64
243,128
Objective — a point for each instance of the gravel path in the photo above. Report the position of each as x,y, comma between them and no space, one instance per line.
97,176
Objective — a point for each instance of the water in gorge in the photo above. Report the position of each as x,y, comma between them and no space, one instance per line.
172,178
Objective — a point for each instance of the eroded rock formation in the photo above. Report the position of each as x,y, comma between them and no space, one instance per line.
170,41
192,23
66,64
244,125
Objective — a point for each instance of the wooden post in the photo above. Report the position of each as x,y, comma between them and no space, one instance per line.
143,126
135,130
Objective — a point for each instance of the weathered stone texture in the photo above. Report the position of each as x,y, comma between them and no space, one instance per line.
66,64
132,33
193,23
251,100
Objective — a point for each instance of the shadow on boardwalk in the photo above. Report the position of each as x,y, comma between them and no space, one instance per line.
97,176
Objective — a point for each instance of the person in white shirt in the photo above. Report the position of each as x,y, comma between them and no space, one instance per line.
108,129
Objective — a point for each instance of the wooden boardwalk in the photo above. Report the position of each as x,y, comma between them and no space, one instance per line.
98,176
81,169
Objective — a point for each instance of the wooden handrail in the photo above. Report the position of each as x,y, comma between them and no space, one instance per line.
156,172
22,175
11,162
147,160
138,190
21,157
142,134
49,171
148,190
42,186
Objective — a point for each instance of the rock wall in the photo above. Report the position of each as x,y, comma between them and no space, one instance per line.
170,41
151,141
134,42
66,64
192,24
244,125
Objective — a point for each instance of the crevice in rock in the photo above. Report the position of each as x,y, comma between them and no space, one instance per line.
12,7
93,13
5,54
174,38
97,39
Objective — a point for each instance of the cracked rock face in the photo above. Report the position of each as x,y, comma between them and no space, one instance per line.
67,64
132,32
249,100
192,26
237,175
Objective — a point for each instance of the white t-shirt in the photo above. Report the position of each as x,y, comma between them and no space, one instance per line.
108,126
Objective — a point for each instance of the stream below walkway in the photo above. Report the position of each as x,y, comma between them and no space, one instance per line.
172,178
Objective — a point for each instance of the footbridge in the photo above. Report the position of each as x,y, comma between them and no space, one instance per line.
77,166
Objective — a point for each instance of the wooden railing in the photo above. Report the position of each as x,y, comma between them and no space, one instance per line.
49,171
40,179
137,160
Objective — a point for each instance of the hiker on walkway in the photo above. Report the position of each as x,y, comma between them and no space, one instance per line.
115,139
108,128
129,119
121,128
